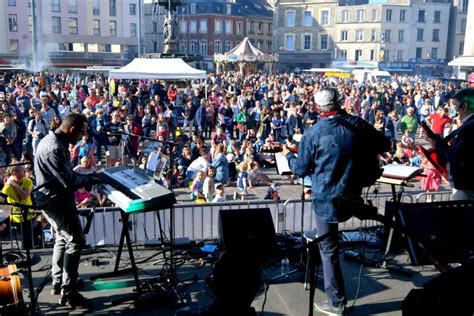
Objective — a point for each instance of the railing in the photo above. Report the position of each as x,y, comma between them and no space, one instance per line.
200,221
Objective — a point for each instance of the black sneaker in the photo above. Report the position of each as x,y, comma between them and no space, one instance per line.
74,299
325,308
56,290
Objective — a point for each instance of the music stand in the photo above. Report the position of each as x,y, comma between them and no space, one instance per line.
396,175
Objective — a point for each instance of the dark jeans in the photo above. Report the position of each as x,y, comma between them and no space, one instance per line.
329,250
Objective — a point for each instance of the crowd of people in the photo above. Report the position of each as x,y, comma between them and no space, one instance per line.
228,128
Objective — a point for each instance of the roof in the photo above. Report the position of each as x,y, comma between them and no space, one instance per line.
245,51
158,68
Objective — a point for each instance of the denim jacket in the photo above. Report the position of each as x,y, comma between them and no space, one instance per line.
325,153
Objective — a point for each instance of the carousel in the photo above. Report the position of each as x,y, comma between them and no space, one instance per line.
247,57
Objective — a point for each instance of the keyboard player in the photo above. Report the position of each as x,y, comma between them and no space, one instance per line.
56,184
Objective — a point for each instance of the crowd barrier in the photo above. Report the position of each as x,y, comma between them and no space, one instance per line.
200,221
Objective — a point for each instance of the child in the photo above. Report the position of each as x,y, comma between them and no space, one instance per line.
256,176
220,195
208,187
432,180
242,181
198,184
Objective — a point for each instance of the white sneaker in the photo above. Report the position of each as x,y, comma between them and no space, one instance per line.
235,195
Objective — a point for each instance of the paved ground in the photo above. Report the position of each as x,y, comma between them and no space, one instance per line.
371,291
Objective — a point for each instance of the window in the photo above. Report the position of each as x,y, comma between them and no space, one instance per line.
373,35
228,27
419,34
240,28
345,16
154,27
260,44
30,23
463,26
306,42
217,26
403,14
12,23
133,9
193,8
374,15
193,26
307,18
203,48
72,25
55,6
323,42
435,35
344,36
421,16
113,7
358,54
270,28
434,52
343,54
228,45
464,5
133,29
386,56
96,27
401,36
113,28
12,3
252,27
419,52
183,47
360,15
437,17
193,47
290,18
359,35
72,6
372,54
183,27
96,7
269,46
325,17
388,15
228,9
56,25
387,35
13,46
78,47
203,26
400,55
92,48
217,46
260,27
290,42
461,48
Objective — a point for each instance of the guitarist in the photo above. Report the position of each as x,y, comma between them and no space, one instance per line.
458,147
326,153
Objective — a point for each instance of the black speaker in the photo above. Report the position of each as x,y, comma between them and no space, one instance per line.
250,230
447,224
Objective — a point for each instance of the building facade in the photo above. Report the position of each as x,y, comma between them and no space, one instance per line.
397,35
70,33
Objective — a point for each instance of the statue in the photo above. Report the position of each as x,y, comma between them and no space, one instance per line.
168,27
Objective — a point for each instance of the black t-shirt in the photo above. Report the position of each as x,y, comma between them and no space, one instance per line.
114,140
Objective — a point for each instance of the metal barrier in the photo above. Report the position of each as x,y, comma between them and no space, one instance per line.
200,221
439,196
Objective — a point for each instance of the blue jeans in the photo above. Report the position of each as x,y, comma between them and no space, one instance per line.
329,250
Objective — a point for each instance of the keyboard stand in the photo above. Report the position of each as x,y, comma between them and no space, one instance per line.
125,236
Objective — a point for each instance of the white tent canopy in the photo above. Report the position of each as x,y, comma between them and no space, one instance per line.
165,68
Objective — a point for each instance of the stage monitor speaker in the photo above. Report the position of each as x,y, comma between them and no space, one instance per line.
449,224
251,230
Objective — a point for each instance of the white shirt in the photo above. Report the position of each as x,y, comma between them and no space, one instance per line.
199,163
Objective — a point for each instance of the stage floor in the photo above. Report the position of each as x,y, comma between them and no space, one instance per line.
370,290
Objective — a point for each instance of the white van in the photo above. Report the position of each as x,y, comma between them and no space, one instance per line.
374,76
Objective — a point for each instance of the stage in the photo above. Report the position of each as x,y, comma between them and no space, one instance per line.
373,291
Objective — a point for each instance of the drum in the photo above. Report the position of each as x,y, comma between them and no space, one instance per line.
11,298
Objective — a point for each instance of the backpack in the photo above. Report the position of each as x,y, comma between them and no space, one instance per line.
366,165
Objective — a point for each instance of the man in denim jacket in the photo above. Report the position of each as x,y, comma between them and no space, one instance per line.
326,151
